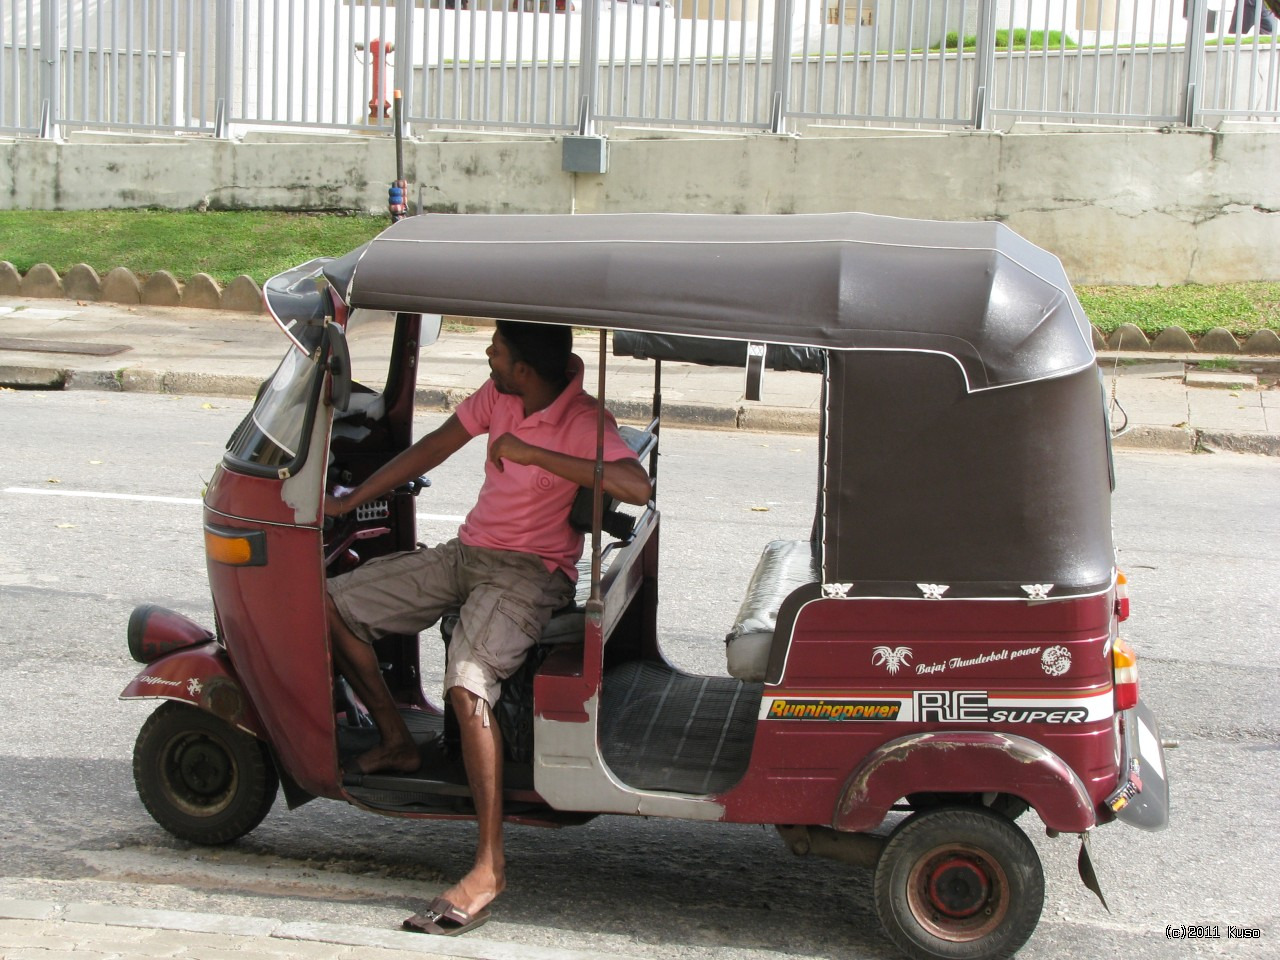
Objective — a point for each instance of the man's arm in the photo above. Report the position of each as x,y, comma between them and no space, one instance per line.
428,453
624,479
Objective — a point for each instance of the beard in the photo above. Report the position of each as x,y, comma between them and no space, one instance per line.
501,385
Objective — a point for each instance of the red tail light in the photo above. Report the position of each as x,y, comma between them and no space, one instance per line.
1124,668
1122,596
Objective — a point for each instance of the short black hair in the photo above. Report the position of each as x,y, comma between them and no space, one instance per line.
543,346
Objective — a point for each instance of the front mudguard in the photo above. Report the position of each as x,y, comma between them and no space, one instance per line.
203,677
965,762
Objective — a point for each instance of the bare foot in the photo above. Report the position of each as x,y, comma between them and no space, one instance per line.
398,758
476,890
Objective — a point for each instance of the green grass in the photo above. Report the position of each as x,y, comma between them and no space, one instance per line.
1242,308
1036,40
222,244
225,244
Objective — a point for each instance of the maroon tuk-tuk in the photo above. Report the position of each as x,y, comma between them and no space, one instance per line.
946,645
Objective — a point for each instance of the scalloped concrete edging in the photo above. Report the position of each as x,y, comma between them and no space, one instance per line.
161,289
243,295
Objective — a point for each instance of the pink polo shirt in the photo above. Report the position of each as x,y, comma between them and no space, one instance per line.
526,508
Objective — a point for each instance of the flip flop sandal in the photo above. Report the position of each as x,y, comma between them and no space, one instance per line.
443,919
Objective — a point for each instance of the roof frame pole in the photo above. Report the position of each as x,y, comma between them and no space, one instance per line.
597,482
657,428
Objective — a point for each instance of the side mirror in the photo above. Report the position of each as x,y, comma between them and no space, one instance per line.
430,330
339,366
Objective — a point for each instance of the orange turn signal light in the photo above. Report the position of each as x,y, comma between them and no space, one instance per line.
235,548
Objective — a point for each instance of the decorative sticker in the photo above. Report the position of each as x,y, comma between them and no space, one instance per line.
891,658
1056,661
785,708
942,706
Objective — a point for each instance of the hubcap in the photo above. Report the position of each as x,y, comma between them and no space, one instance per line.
958,888
958,893
199,774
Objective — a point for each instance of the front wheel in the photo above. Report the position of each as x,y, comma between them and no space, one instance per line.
199,777
959,884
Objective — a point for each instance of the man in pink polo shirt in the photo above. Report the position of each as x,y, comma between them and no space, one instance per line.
511,566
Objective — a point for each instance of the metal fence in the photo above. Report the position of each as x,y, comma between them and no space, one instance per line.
222,67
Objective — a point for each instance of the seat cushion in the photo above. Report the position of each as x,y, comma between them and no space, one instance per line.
785,566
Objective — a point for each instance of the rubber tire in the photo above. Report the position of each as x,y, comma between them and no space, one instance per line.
224,790
985,834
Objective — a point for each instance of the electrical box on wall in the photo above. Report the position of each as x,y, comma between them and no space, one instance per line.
585,154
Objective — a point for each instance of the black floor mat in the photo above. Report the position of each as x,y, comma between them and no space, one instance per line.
661,729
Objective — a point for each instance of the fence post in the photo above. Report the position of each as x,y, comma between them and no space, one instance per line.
984,67
223,79
780,68
403,77
1197,18
50,71
589,68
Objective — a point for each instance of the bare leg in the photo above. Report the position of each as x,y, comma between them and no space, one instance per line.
359,664
482,756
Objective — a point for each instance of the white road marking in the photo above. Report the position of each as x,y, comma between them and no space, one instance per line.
95,495
186,501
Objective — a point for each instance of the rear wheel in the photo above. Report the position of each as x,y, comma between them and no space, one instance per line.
199,777
959,884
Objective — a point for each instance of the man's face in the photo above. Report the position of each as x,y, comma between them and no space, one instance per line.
502,365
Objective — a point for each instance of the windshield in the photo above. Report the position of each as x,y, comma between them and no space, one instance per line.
298,300
273,435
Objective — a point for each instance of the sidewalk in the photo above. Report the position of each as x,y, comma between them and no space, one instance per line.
62,344
40,930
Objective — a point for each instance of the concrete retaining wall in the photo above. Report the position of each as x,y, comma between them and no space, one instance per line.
1117,205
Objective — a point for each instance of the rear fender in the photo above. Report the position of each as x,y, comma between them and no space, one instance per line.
201,676
965,762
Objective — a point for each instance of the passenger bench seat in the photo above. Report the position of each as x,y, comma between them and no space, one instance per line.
784,566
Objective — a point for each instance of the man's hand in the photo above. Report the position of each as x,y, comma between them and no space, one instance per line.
625,479
339,502
335,506
510,447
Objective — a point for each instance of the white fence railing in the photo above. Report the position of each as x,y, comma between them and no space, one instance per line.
222,66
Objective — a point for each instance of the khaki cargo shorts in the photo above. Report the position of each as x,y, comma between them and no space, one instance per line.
505,600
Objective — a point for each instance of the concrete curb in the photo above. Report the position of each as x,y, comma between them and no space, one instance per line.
263,928
243,295
161,289
774,419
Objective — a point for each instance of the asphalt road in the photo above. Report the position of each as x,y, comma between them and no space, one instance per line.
1199,536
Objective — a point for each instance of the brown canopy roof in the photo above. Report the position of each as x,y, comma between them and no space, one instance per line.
977,292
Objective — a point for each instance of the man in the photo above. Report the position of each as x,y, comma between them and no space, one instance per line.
512,564
1249,12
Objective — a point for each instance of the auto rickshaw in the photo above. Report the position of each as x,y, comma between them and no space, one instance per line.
943,653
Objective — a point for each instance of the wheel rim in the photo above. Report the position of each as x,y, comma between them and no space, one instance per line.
199,774
958,893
